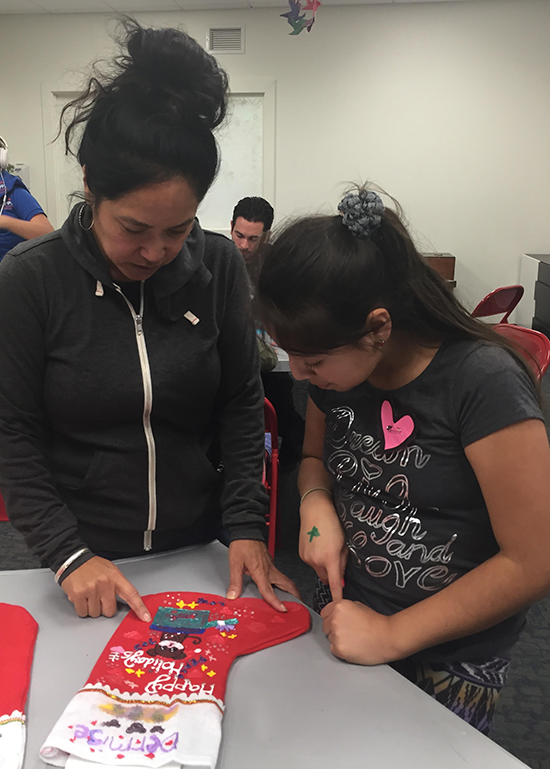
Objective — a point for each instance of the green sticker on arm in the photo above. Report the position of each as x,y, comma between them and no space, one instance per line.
313,533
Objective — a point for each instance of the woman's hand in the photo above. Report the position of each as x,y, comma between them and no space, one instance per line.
358,634
322,543
248,556
94,586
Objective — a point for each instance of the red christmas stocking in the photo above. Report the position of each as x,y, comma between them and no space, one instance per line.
156,695
15,675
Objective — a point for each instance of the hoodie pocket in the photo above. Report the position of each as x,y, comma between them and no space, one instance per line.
76,469
186,479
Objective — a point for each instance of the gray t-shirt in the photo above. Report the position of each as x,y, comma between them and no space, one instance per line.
414,516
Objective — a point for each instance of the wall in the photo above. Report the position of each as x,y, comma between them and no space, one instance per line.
445,105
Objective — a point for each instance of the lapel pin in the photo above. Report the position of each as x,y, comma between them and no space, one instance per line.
191,317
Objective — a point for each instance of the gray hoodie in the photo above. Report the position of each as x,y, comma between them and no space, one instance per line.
123,424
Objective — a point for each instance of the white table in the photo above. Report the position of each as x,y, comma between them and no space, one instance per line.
293,706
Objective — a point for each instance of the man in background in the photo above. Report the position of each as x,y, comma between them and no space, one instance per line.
250,229
21,216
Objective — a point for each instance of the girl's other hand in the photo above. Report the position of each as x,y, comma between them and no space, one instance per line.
358,634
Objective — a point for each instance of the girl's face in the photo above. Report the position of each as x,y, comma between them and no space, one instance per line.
341,369
144,230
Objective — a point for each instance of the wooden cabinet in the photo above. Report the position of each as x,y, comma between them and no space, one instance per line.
444,265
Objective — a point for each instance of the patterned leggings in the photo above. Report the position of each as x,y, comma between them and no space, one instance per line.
468,689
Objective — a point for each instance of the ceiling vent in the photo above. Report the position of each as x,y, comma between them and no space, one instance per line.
225,40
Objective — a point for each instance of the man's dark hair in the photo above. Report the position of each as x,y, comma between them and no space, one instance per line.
254,210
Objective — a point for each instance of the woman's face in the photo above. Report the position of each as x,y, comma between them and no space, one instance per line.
144,230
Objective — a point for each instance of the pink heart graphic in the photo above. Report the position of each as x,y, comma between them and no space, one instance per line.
395,433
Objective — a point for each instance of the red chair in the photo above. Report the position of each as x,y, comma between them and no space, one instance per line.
3,514
271,473
531,344
500,300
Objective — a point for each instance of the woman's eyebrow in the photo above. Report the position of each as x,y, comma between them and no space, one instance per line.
137,223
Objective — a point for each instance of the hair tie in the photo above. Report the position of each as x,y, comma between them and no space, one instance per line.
361,212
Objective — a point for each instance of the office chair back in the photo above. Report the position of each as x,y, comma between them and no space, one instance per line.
531,344
500,300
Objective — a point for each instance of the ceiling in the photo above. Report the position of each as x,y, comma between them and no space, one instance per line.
126,6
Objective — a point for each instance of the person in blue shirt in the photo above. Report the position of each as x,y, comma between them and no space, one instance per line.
21,216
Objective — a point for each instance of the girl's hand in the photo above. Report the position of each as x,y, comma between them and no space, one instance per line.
322,544
94,586
358,634
248,556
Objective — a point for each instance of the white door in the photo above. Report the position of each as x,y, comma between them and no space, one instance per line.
241,141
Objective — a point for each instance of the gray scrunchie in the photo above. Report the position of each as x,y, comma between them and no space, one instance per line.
361,213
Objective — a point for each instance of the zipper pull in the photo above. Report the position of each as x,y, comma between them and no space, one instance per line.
139,324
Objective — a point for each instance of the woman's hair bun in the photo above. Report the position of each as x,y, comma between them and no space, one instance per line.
148,115
167,65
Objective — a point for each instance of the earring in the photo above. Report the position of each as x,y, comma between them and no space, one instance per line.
80,216
380,343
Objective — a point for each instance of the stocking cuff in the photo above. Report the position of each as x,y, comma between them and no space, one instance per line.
99,726
12,740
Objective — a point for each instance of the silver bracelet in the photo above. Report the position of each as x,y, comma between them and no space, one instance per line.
64,566
317,488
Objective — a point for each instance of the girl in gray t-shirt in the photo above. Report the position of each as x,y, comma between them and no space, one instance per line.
426,468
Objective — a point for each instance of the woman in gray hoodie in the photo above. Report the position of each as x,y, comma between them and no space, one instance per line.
131,408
